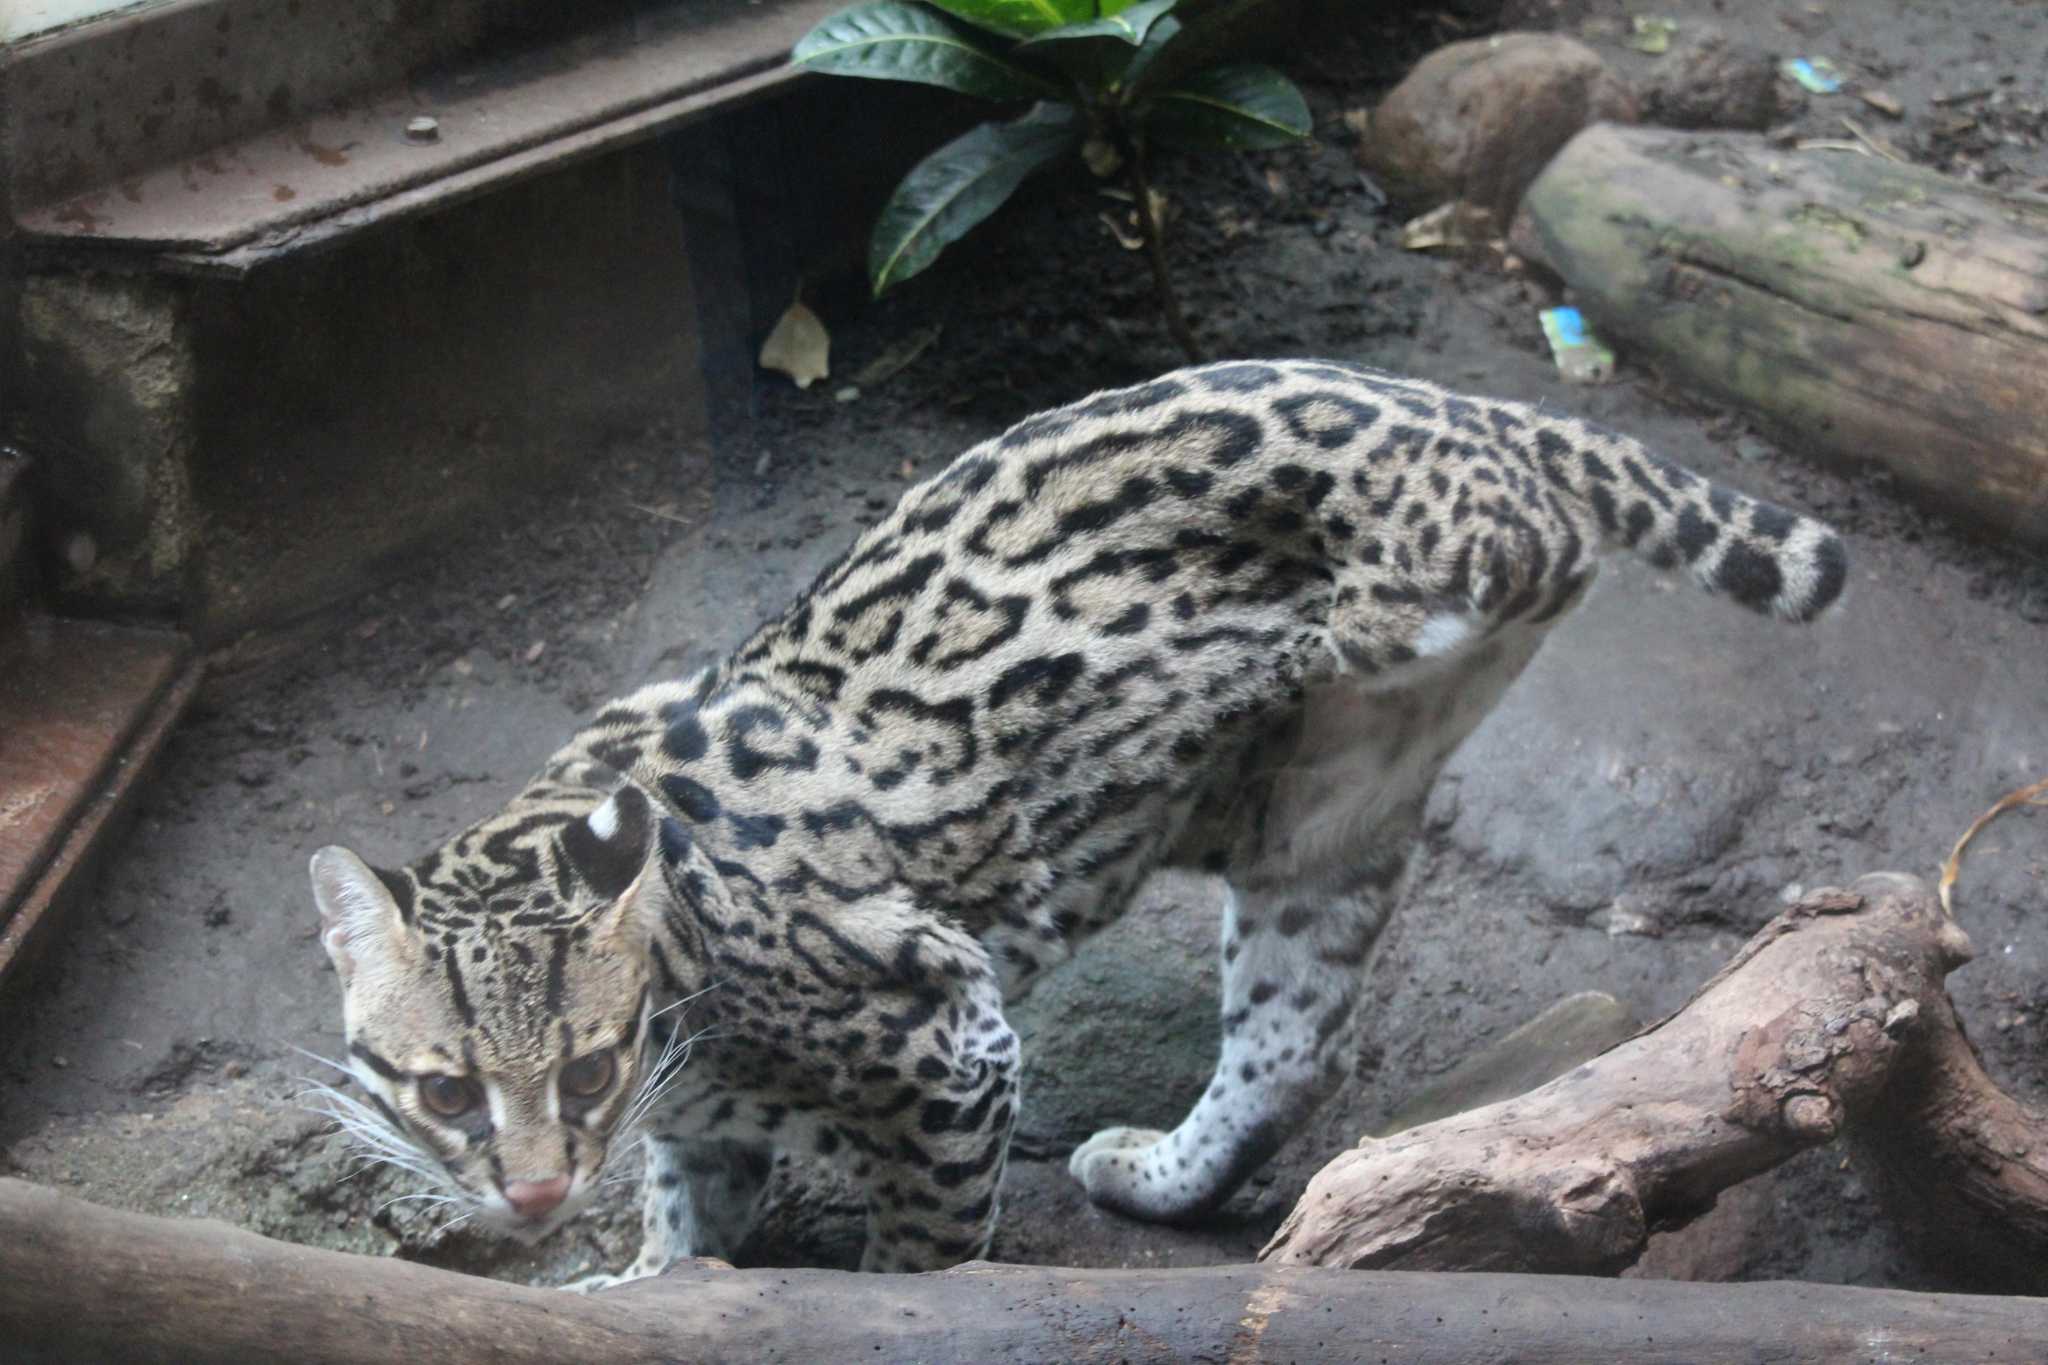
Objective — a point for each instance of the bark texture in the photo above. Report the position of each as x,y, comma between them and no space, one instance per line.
1867,311
79,1282
1833,1018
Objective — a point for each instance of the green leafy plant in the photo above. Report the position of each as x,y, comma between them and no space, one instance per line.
1106,78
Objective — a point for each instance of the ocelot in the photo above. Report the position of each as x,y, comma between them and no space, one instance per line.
1234,618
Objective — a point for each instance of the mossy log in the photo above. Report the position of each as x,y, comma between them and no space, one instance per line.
1865,310
83,1283
1834,1018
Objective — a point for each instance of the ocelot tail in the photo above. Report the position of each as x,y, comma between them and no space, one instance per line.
1235,618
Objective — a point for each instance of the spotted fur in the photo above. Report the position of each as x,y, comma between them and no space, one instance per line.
1236,617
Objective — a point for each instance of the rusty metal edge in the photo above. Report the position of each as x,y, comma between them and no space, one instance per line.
27,931
15,582
236,262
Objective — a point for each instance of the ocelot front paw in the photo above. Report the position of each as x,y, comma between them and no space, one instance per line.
590,1284
1125,1169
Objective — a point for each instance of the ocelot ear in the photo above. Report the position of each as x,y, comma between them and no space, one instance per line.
609,847
365,913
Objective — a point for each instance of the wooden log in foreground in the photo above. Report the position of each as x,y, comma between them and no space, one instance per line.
1863,309
79,1282
1833,1017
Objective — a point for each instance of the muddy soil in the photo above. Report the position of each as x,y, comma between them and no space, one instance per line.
1667,772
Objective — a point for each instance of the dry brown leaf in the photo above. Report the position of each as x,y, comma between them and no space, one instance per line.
799,346
1451,226
1875,144
1102,158
1162,207
2036,795
892,361
1130,239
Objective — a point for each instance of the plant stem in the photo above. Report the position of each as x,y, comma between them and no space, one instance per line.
1155,251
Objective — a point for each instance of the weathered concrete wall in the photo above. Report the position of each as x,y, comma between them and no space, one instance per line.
353,405
102,404
239,452
232,453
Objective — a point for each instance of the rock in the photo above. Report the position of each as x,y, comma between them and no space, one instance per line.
1708,80
1574,1030
1544,14
1126,1032
1720,1245
1478,120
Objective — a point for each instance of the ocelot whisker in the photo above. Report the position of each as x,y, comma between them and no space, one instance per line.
435,1201
342,1067
693,995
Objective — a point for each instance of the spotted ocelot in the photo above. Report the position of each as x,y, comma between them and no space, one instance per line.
1234,618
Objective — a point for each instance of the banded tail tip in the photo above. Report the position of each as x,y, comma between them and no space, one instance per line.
1795,579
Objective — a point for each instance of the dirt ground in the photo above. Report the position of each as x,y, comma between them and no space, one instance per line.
1667,771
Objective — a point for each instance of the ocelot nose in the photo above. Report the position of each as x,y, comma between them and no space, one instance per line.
533,1198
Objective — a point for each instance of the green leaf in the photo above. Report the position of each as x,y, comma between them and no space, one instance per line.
1128,25
959,185
1019,18
1097,52
893,41
1239,107
1162,32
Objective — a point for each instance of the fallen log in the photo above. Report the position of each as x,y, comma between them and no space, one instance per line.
1834,1016
1864,310
79,1282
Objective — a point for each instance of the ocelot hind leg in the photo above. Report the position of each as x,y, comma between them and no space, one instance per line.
1314,877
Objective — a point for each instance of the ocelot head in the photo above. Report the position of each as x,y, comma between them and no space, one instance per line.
495,997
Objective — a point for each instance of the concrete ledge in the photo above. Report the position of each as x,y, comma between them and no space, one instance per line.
244,405
330,157
86,708
232,453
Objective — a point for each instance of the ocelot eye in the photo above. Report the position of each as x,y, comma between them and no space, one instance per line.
449,1096
588,1076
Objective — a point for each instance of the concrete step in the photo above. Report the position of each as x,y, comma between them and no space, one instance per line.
390,117
84,708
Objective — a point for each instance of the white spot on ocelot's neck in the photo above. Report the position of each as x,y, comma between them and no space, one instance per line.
604,821
1443,633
